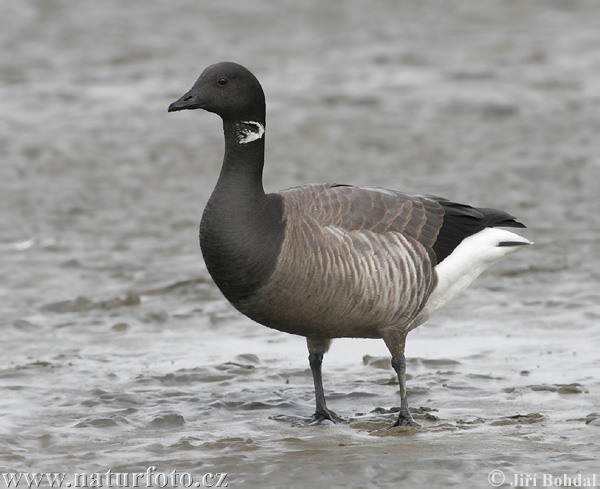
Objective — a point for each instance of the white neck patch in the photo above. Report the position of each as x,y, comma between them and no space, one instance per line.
248,131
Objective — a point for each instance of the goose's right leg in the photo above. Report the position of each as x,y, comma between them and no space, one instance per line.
396,343
399,365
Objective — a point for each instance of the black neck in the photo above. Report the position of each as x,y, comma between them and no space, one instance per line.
241,173
242,227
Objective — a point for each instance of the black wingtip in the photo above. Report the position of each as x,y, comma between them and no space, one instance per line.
496,218
510,223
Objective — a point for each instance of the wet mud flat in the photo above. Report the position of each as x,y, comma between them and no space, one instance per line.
120,353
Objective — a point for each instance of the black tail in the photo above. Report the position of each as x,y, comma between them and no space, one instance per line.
461,221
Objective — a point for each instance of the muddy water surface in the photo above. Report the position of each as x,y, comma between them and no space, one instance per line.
119,353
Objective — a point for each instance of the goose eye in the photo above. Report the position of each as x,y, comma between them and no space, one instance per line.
222,81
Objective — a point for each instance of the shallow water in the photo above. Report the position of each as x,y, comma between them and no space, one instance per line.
119,352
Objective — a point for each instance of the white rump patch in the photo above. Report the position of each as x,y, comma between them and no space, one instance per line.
468,260
248,131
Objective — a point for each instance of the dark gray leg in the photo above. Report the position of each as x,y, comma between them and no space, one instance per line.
395,341
399,365
317,348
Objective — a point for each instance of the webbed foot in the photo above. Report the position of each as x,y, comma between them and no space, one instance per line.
404,419
324,417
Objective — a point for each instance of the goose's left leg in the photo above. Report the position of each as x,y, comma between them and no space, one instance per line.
316,349
396,344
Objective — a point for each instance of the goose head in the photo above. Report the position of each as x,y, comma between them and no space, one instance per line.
228,90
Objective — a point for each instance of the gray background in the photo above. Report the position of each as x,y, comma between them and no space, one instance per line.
119,352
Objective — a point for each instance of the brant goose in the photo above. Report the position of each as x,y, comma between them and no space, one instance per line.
331,260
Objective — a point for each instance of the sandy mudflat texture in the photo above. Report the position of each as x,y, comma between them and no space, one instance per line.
119,353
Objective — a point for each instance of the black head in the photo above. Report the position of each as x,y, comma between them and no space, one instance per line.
227,89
